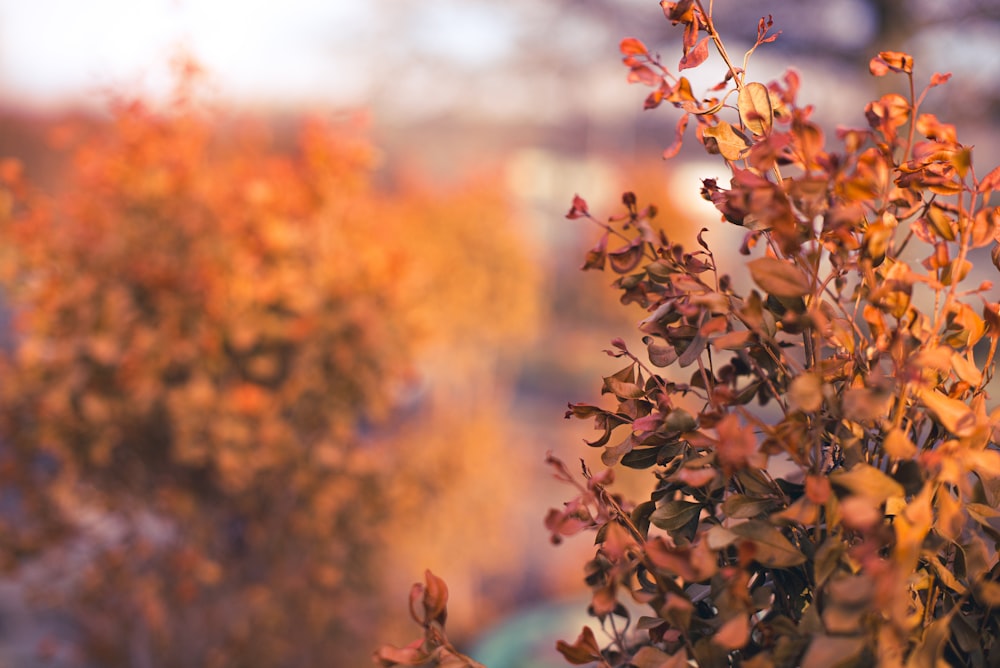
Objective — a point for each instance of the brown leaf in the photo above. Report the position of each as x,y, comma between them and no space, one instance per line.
734,633
597,256
627,258
435,598
754,103
650,657
772,549
831,651
779,277
585,650
930,652
727,141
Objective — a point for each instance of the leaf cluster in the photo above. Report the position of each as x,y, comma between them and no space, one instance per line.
822,446
210,322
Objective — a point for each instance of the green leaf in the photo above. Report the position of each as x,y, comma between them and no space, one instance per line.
741,506
640,458
675,515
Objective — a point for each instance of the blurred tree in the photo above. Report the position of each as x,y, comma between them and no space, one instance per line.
206,328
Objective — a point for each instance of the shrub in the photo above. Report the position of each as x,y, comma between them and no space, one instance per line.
825,474
207,323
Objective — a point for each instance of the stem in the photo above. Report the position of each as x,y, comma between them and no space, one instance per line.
719,46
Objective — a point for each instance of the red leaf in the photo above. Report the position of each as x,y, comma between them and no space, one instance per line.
579,208
653,100
737,445
411,655
990,181
695,56
643,74
675,148
435,598
939,78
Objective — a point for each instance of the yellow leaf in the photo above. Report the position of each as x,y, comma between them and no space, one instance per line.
965,369
731,143
954,415
912,527
867,481
806,392
898,445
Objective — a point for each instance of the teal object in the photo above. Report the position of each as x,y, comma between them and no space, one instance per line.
527,639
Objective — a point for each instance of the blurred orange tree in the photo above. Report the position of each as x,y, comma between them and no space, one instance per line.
205,325
821,446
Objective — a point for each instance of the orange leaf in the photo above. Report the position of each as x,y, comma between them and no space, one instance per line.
954,415
695,56
734,633
630,46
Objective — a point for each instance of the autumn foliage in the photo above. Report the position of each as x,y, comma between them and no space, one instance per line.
821,443
209,327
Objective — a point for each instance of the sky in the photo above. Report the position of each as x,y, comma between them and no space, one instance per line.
256,50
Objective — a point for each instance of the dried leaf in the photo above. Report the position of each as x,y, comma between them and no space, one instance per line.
832,651
727,141
630,46
585,650
578,209
650,657
806,392
867,481
771,548
696,56
754,103
779,277
675,147
898,445
734,633
954,415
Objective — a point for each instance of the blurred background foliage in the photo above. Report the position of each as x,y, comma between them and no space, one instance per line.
281,332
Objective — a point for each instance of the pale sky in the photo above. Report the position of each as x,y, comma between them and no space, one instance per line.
51,50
